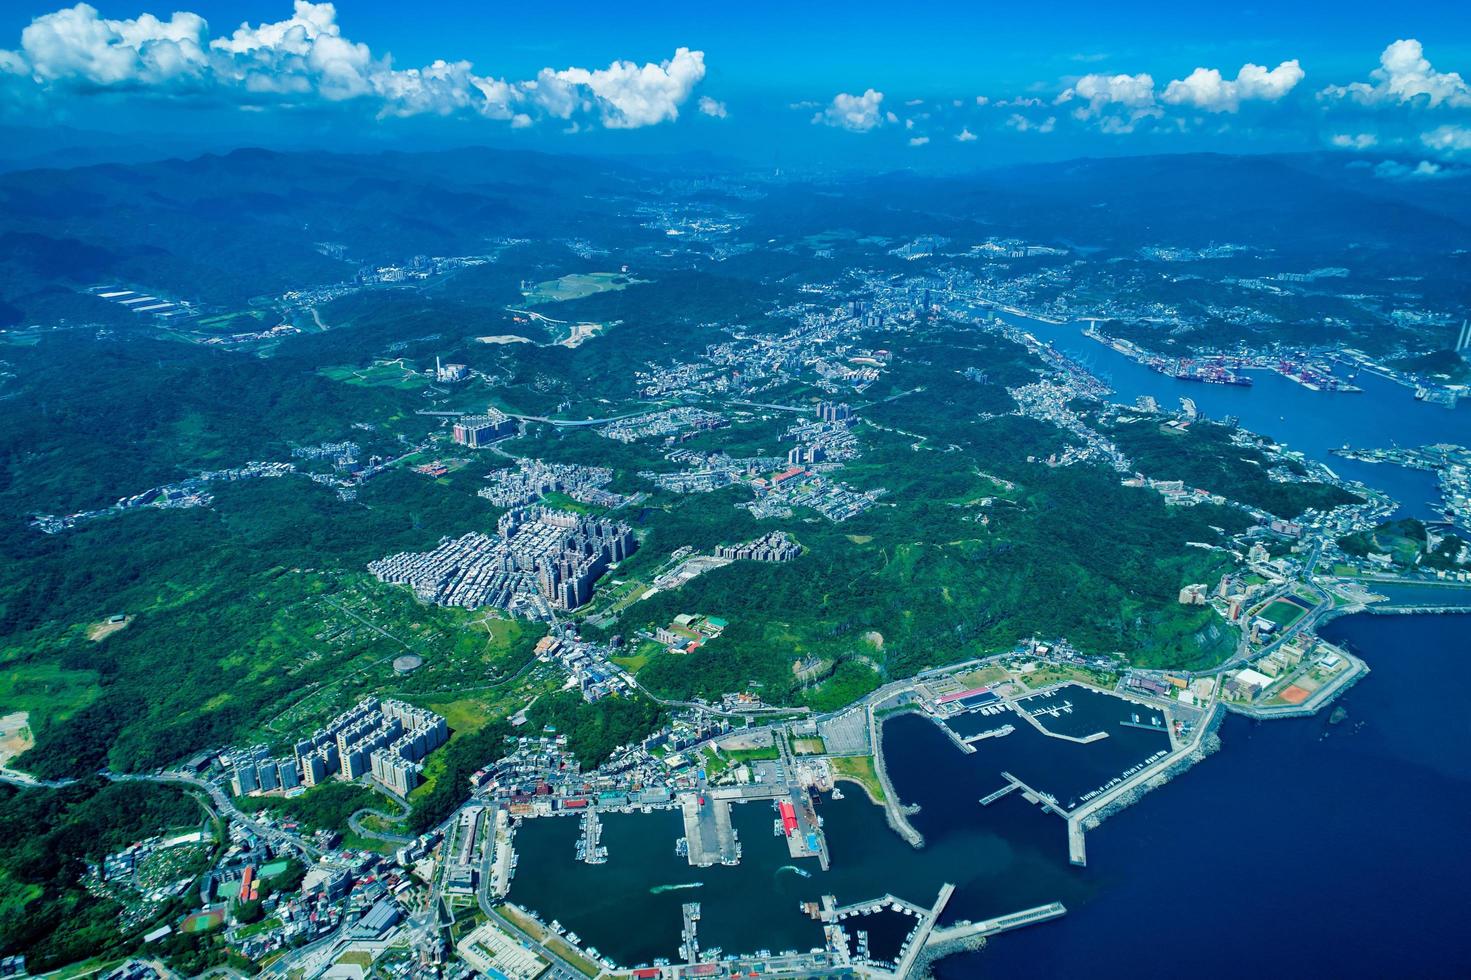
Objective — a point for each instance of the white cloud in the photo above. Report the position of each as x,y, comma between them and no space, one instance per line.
628,95
982,100
918,140
76,44
1102,91
1424,170
1354,141
712,107
966,136
1448,139
1405,75
1205,89
855,113
1022,124
305,58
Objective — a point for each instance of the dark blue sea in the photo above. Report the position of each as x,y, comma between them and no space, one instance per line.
1301,848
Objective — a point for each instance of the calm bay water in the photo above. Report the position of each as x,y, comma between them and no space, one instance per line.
1384,414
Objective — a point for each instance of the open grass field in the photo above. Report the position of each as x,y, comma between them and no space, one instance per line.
243,321
45,690
385,374
860,769
1283,612
577,286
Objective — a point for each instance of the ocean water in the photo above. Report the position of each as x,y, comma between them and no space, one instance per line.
1302,848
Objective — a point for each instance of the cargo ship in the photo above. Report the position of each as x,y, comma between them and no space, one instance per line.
1208,373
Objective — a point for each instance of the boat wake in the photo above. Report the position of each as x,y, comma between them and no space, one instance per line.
661,889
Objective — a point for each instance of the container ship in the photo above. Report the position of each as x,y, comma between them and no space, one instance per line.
1209,373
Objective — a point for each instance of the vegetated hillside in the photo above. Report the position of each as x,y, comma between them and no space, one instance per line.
1287,204
225,228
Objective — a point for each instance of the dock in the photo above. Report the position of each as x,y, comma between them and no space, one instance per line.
589,849
1035,796
689,943
1054,712
1077,851
1001,732
712,839
1004,923
797,822
1011,784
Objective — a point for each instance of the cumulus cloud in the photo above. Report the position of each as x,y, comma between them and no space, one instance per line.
1022,124
1448,139
855,113
1102,91
1354,141
712,107
1424,170
626,95
305,58
1206,89
966,136
918,140
1405,75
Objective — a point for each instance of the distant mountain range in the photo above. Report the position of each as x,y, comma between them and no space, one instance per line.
223,228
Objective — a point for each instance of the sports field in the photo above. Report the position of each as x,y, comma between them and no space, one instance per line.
203,921
1283,612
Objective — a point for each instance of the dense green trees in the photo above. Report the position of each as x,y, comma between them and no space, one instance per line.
594,730
1204,456
49,836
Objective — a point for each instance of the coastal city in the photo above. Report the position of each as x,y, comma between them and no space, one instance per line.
489,498
306,904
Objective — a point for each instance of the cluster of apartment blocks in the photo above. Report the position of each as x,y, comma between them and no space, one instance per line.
533,478
476,431
539,557
775,546
253,770
384,739
590,546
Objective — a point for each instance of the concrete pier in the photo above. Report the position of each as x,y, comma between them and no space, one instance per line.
921,936
993,797
893,810
1077,852
1033,796
990,927
707,828
689,942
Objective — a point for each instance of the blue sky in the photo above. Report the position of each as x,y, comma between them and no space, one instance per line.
919,84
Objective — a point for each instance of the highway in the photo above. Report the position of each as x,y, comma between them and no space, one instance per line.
278,838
